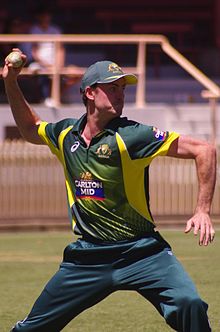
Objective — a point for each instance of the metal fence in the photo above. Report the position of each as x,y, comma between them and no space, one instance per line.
32,185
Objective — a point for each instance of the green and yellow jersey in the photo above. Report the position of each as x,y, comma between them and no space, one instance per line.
107,182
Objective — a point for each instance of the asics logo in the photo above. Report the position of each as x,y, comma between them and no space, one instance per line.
75,146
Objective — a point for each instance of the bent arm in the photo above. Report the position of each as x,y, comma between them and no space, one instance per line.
25,118
204,155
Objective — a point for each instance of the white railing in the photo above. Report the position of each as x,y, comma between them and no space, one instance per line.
212,91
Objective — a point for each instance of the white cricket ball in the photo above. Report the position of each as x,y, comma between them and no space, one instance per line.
15,59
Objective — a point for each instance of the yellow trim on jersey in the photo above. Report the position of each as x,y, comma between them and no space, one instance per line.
60,154
165,147
42,133
133,174
70,196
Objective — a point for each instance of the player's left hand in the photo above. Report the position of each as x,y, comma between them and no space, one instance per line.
202,224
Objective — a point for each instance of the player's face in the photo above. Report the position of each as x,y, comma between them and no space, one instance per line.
109,97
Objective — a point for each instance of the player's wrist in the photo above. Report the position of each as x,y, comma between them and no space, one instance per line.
203,210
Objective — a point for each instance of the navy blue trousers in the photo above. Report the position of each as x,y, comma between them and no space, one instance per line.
92,271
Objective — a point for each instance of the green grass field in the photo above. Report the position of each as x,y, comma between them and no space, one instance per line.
28,260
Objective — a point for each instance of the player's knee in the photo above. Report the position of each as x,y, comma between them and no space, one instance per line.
184,309
188,301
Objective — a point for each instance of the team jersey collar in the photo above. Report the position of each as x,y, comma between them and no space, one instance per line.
80,124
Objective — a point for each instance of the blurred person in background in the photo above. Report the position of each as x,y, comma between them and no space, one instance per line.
43,53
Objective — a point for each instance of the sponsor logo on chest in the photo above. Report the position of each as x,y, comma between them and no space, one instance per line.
87,187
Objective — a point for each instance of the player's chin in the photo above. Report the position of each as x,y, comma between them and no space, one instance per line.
117,109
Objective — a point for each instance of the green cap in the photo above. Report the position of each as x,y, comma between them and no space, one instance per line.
105,72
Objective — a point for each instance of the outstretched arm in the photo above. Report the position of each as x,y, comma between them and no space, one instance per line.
25,118
204,155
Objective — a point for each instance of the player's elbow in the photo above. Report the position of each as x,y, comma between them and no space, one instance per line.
209,151
211,148
213,152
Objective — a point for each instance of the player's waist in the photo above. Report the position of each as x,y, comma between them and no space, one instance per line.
92,251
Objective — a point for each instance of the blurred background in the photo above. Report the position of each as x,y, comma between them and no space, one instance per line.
32,193
192,26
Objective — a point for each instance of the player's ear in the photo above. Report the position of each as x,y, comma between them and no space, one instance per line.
89,92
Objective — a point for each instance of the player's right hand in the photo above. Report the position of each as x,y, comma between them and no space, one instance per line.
9,72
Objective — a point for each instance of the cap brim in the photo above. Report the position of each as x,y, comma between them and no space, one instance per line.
130,79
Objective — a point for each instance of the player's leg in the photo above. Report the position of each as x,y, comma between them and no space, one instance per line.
158,276
174,295
74,288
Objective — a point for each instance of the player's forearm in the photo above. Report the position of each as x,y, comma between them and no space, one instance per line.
206,170
25,118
